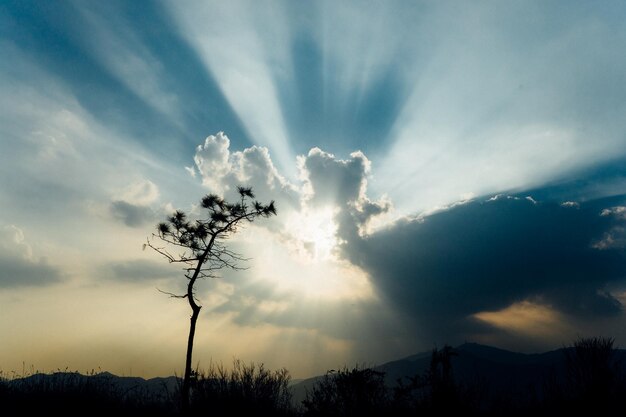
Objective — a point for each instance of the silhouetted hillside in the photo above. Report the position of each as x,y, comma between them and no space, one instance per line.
102,394
497,372
154,387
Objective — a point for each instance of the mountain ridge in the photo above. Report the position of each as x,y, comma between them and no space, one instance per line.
504,370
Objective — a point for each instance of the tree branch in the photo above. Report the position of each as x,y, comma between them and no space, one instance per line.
172,295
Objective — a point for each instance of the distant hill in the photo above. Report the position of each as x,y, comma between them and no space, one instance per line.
494,369
156,388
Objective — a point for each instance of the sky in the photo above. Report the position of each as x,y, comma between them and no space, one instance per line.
443,172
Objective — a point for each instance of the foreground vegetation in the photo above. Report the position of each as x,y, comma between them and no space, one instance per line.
593,384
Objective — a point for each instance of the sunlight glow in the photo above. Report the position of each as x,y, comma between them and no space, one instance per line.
315,232
525,317
307,269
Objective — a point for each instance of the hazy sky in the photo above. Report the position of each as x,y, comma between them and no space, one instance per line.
443,172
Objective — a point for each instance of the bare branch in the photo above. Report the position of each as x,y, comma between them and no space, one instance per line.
172,295
181,258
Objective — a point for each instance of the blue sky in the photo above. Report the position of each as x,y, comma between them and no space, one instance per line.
444,171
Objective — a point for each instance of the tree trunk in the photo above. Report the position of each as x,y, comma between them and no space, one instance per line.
188,371
195,312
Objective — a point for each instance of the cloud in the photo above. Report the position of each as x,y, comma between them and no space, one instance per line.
18,266
329,180
328,206
526,318
222,171
467,258
132,215
342,184
470,264
481,256
618,212
142,192
324,299
260,302
132,204
212,161
616,237
140,271
613,239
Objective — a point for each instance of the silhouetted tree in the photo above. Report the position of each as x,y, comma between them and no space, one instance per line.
200,247
440,377
593,373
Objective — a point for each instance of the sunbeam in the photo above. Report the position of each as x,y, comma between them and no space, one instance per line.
248,56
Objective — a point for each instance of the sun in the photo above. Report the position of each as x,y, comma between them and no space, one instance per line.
312,266
315,232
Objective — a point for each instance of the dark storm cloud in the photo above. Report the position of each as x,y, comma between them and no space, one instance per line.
133,215
483,256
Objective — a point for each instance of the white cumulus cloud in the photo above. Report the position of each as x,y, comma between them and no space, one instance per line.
327,183
222,171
